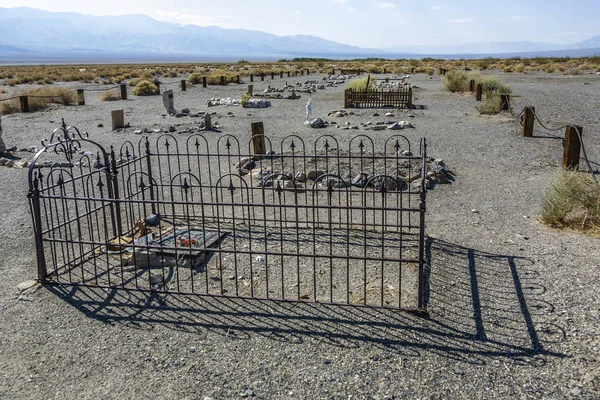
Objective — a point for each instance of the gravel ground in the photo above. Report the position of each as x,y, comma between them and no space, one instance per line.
513,305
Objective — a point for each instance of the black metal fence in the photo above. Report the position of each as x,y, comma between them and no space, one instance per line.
327,221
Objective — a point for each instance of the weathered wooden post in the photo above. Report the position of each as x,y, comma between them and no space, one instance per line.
222,80
410,97
384,70
183,86
250,90
307,71
302,71
258,137
262,76
504,102
157,83
123,91
24,103
272,75
289,73
528,121
347,98
118,119
280,74
207,121
237,79
412,70
572,147
478,92
472,85
80,97
332,71
203,81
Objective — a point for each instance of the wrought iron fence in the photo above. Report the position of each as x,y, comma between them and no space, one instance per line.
323,221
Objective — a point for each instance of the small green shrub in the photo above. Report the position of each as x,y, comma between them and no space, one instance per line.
361,84
573,201
145,88
456,81
245,99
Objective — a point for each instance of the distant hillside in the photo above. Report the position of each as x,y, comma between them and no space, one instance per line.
30,35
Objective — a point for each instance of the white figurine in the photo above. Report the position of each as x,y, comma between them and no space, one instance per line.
308,109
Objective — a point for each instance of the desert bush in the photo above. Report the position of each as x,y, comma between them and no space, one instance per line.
491,104
145,88
573,201
361,84
195,79
110,95
456,81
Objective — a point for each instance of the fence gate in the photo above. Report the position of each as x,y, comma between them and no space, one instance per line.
323,221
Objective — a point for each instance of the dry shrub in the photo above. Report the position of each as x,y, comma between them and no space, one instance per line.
195,79
145,88
573,201
491,105
39,99
110,95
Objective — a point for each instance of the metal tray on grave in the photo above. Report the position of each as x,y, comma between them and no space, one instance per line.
205,239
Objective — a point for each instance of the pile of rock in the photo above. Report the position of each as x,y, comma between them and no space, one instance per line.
223,102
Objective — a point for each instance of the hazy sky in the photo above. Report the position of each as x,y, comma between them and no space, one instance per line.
367,23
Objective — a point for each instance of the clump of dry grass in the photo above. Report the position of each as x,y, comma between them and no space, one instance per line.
39,99
365,83
573,202
110,95
456,81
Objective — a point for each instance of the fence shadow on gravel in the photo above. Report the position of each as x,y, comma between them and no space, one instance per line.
483,307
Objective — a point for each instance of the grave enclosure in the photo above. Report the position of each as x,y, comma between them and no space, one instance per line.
205,215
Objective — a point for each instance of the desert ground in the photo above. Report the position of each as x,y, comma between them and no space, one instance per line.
513,308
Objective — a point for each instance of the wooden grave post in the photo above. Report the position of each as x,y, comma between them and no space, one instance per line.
183,86
472,85
251,77
24,103
80,97
203,81
528,121
207,121
504,102
572,147
123,91
258,137
478,92
222,80
118,119
250,90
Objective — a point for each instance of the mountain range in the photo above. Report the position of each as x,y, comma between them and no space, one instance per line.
32,35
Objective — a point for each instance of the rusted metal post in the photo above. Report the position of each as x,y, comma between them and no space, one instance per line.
478,92
183,86
123,91
258,137
24,103
572,147
34,198
80,97
203,81
504,101
528,121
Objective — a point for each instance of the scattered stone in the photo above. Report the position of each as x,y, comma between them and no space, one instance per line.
185,111
100,125
354,127
387,182
395,126
458,371
376,114
9,163
576,391
406,124
389,114
300,177
172,129
317,123
315,174
360,180
23,286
